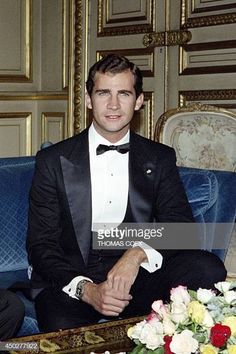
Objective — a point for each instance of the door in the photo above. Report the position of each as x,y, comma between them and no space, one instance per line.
185,49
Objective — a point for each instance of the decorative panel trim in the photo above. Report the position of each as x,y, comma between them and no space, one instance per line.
27,116
136,56
198,6
208,20
142,122
199,48
135,26
32,97
78,67
209,95
65,42
27,76
48,117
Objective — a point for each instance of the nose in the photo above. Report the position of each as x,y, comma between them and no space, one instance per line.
113,102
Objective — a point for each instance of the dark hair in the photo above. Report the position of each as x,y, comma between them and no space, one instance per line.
115,64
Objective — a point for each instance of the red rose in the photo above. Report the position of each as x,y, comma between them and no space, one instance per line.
219,335
167,340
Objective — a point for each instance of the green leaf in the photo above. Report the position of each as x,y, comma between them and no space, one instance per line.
193,294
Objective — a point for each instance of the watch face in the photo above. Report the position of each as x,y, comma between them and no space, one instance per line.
80,289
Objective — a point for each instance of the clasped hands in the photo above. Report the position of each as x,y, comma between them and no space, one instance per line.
113,295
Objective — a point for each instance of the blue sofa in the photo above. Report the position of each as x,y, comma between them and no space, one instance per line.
212,196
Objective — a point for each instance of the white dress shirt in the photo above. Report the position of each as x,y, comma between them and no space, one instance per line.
110,187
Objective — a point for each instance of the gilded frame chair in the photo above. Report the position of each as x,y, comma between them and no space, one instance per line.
203,136
204,139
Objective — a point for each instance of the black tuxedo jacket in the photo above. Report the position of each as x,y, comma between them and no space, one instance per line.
59,230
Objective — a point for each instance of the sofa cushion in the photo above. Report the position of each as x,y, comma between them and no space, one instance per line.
15,180
201,188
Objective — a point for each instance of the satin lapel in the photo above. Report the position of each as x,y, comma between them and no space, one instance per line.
76,174
141,179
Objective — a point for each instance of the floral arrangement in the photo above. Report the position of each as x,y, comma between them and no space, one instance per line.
202,321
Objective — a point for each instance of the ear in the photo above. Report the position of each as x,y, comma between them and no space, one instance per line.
139,102
88,100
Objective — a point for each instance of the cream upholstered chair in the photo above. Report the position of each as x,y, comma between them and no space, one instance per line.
203,136
204,139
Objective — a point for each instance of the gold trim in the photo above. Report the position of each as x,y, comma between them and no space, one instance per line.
78,65
65,26
202,21
28,118
32,96
198,47
190,107
126,29
27,77
208,95
52,115
167,38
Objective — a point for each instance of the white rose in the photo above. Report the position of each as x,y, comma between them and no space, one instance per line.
205,295
230,296
222,286
154,340
180,295
179,313
160,308
135,331
168,326
184,343
207,320
157,325
146,330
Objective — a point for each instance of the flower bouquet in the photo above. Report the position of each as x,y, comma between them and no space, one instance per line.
193,322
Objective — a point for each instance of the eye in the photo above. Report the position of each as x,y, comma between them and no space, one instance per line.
102,93
124,93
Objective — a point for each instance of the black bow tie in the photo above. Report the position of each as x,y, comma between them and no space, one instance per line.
123,148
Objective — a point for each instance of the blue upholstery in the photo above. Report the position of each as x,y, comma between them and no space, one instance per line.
210,193
15,180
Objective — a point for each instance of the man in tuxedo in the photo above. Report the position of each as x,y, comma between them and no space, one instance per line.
107,174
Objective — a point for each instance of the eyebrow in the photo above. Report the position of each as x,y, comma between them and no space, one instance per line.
108,91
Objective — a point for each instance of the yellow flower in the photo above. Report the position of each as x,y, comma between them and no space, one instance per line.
208,349
232,349
231,322
196,311
130,331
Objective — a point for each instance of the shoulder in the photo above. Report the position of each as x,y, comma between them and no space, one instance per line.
151,147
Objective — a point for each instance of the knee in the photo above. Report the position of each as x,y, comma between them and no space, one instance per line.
211,267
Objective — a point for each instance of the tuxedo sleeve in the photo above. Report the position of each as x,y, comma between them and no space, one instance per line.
46,254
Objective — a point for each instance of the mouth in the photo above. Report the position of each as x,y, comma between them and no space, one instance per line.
113,116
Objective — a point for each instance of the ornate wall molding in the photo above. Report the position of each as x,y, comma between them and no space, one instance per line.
139,24
168,38
22,123
22,72
209,95
144,55
78,58
9,96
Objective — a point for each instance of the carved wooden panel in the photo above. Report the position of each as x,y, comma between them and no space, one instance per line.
223,98
53,127
15,54
199,13
142,122
15,134
142,57
117,17
208,58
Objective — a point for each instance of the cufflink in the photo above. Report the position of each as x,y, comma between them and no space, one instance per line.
148,171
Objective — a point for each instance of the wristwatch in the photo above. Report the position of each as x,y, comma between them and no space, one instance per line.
80,288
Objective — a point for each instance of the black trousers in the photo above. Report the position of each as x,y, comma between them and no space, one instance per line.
11,314
56,310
